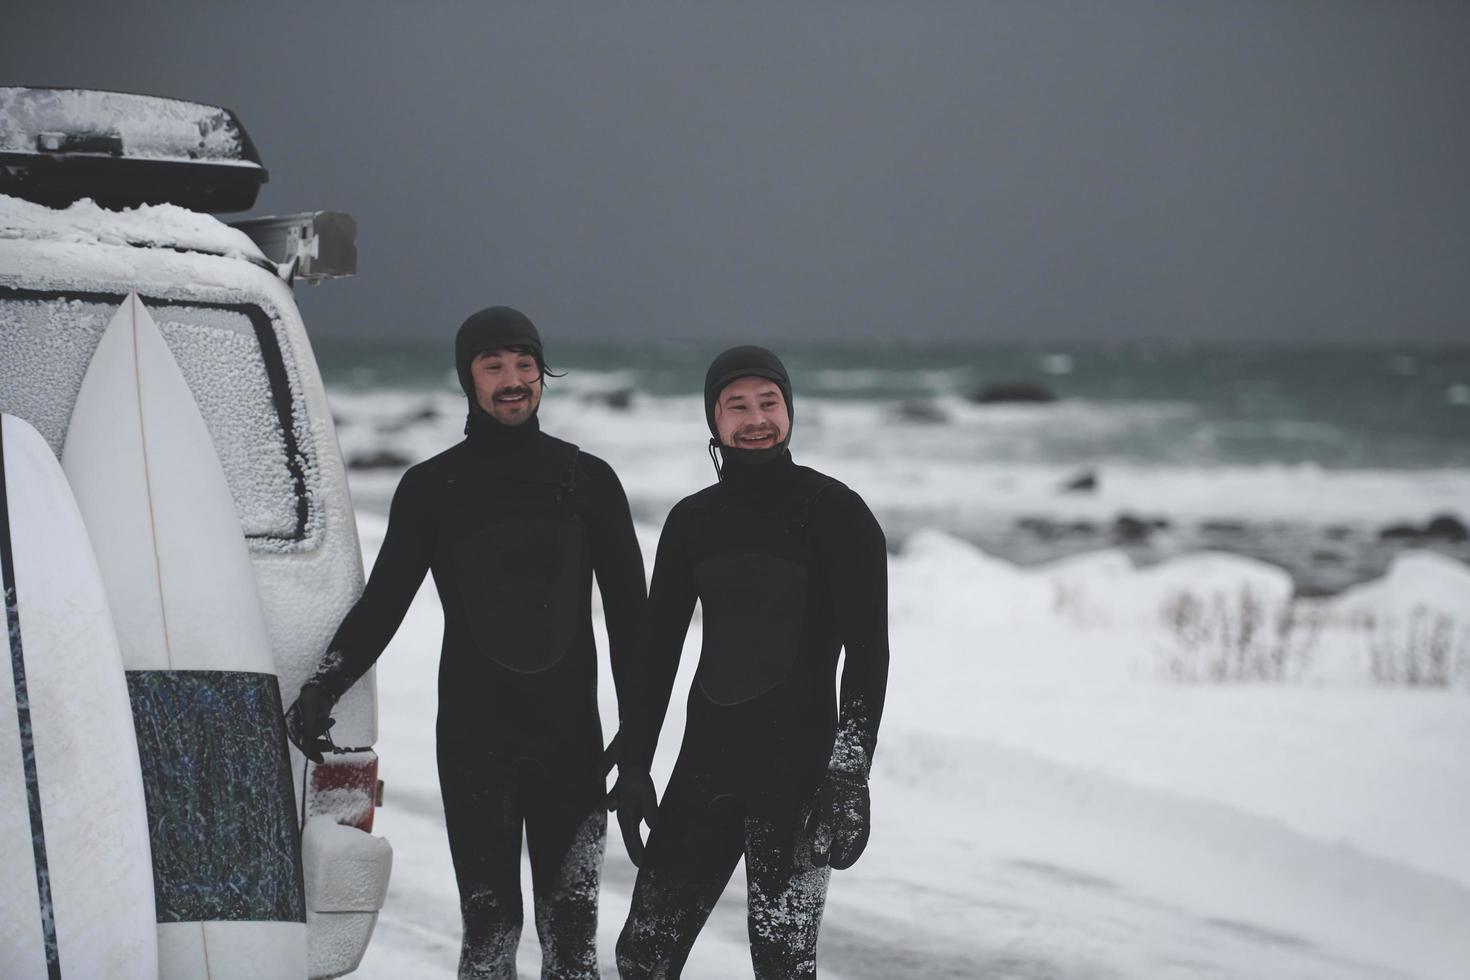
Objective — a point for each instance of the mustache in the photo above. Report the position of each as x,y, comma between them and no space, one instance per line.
512,392
755,431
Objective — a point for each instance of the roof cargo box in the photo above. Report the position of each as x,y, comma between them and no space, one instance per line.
122,150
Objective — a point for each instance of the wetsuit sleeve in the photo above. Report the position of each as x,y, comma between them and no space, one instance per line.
402,563
671,600
618,564
855,554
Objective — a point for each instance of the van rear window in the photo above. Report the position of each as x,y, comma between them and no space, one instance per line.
230,357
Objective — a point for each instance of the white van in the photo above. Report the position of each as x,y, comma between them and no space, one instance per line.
105,193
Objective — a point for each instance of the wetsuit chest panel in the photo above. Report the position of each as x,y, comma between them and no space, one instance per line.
754,608
518,584
516,569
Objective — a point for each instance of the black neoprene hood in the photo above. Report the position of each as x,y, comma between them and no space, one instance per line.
490,329
745,362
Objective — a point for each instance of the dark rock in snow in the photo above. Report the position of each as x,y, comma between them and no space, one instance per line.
1131,528
1084,482
426,412
618,399
1039,526
1446,527
1128,528
1223,527
921,410
1024,392
382,459
1047,529
1400,532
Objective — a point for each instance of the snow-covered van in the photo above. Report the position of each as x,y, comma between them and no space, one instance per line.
103,194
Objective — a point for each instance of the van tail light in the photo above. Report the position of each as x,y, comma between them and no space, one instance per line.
346,788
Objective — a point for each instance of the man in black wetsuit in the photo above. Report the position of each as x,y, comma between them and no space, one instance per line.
789,567
513,523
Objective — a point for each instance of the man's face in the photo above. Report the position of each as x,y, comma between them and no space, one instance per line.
751,414
507,384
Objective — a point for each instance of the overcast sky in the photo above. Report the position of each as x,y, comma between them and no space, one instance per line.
1028,170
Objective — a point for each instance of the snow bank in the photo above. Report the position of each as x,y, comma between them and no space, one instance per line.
1066,660
1416,580
940,576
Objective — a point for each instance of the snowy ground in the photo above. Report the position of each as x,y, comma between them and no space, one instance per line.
1047,804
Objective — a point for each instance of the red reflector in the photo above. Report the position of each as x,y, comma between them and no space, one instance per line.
345,787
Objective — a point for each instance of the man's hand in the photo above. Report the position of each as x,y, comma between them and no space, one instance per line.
634,798
308,719
612,753
837,825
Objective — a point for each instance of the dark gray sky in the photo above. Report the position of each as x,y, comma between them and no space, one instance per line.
1029,170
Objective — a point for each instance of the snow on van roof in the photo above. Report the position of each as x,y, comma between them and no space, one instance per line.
149,226
149,127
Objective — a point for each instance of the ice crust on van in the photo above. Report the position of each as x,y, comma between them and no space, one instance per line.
151,128
148,225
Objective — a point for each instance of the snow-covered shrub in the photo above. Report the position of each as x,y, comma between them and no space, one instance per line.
1426,648
1411,628
1236,636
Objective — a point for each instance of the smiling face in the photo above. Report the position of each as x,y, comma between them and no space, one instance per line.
507,384
751,414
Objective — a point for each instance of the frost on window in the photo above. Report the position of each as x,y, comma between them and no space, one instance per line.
47,343
45,347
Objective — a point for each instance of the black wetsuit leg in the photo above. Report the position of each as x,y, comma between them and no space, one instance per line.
686,865
785,896
482,812
565,878
487,803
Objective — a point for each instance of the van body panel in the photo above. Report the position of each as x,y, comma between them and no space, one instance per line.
235,329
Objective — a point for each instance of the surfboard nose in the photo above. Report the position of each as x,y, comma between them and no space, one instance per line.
200,671
159,510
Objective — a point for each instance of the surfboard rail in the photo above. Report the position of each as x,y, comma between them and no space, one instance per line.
76,882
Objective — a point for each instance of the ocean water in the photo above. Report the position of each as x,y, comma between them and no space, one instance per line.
1337,407
1326,461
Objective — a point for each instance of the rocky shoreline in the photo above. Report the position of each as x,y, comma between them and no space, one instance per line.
1322,558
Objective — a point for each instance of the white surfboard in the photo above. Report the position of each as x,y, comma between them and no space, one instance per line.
206,701
76,880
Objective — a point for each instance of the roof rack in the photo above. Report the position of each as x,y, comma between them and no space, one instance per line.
60,145
310,246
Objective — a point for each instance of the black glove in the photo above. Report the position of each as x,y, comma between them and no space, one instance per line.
308,719
634,797
837,824
612,753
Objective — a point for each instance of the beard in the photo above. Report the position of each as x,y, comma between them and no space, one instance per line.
753,432
512,403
